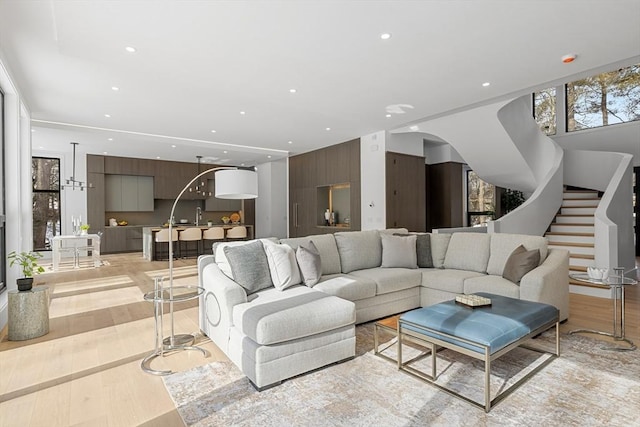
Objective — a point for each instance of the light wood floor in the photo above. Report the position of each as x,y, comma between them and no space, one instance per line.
86,371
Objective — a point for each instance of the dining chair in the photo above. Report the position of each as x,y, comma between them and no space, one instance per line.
214,234
162,236
238,232
192,234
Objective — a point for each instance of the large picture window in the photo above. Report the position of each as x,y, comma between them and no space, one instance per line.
605,99
46,201
481,200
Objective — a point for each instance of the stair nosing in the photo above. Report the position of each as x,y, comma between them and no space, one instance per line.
557,233
581,256
576,244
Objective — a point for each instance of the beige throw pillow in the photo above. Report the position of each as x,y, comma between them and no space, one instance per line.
399,251
519,263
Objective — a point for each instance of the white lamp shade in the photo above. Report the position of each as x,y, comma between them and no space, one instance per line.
236,184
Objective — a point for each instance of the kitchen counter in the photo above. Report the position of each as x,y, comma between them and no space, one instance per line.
148,235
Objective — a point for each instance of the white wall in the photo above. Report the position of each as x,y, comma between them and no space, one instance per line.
435,154
271,204
405,143
373,181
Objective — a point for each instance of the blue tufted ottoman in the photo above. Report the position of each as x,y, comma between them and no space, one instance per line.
484,333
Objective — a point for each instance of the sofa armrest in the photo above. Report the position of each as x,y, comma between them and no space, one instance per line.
549,282
220,295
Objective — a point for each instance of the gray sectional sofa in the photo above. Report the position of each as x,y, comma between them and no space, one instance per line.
273,334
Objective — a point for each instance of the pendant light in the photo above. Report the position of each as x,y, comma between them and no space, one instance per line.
72,183
201,187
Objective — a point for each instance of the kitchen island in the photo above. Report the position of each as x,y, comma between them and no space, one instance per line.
148,235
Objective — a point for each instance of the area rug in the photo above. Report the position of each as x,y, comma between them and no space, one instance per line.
585,386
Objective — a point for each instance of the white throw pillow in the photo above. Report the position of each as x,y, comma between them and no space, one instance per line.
399,251
282,265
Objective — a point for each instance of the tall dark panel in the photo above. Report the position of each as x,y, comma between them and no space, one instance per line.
445,202
405,191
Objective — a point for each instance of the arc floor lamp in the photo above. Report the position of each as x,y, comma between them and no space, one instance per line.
230,183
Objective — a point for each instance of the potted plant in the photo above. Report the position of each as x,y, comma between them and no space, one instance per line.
29,264
84,228
209,222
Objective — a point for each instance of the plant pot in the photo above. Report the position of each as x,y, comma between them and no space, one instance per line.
25,283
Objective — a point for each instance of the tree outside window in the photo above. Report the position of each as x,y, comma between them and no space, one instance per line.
605,99
481,200
45,175
544,110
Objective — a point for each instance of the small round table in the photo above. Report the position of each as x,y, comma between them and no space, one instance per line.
28,313
173,342
617,283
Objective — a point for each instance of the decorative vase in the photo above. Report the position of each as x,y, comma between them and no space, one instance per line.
84,232
25,283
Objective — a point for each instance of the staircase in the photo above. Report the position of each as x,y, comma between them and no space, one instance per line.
573,229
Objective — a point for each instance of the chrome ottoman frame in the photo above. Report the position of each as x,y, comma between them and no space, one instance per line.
424,333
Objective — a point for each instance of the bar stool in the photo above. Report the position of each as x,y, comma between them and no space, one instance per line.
215,234
192,234
238,232
162,236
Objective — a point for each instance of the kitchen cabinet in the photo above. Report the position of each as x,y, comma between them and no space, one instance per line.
121,239
326,167
128,193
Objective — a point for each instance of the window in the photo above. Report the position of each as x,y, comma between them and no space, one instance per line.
481,200
605,99
544,110
45,173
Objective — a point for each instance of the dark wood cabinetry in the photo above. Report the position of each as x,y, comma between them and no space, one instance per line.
337,164
405,191
444,195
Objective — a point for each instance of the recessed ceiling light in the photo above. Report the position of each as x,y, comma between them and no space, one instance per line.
388,115
241,164
33,130
213,131
173,146
385,36
485,84
242,112
157,157
41,147
269,156
290,142
109,139
328,128
413,128
292,90
107,115
225,151
115,88
130,49
104,152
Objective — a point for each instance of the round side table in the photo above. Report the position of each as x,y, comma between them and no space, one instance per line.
28,313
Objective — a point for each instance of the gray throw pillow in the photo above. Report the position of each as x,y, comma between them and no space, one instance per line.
249,266
423,249
310,263
519,263
398,251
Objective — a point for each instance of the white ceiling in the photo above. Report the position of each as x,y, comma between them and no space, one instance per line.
199,63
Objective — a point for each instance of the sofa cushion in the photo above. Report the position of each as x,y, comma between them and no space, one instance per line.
503,244
326,245
447,280
439,243
347,286
272,317
390,279
492,284
282,265
519,263
468,251
310,263
359,249
399,251
423,249
249,266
